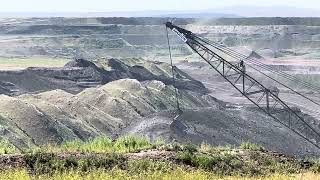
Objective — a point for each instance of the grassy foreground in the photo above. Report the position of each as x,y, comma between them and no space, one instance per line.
137,158
172,175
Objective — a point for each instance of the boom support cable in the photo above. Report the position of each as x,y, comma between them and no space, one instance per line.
173,74
239,56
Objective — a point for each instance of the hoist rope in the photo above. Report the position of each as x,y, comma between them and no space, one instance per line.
173,74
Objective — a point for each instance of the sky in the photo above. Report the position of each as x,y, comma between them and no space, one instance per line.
141,5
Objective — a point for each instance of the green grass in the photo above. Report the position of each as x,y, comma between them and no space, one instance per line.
105,158
251,146
103,145
175,174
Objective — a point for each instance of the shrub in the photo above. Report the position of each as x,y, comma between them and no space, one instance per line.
204,161
6,147
185,156
41,163
189,148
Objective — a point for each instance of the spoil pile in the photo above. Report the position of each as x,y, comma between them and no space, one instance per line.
80,74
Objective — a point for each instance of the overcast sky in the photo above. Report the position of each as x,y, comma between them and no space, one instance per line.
138,5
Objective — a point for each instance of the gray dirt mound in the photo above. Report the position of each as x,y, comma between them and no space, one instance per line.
57,116
9,130
234,126
154,96
36,124
81,129
255,55
80,74
223,127
97,120
109,104
147,70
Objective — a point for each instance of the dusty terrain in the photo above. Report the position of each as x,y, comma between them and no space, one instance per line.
96,95
90,38
115,105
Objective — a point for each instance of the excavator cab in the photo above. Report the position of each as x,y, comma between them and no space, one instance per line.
242,66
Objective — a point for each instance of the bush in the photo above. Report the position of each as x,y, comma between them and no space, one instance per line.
6,147
204,161
41,163
189,148
185,156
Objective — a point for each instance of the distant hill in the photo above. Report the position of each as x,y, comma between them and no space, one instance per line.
233,21
269,11
178,14
255,21
231,11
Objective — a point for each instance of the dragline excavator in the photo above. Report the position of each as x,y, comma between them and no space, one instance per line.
266,99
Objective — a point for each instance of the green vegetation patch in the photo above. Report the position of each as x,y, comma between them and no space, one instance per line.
249,160
6,147
102,144
251,146
137,157
41,163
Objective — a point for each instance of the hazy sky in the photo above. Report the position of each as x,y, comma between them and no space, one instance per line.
137,5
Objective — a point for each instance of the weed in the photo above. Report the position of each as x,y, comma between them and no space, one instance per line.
101,144
251,146
132,144
145,165
207,148
6,147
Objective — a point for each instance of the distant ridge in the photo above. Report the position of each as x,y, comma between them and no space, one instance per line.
231,11
59,22
178,14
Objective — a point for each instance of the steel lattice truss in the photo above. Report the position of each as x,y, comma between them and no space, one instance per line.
264,98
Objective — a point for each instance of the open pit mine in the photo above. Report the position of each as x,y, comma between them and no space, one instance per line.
229,80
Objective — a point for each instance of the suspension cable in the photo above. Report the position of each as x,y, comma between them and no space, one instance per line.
264,66
173,74
283,75
239,56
